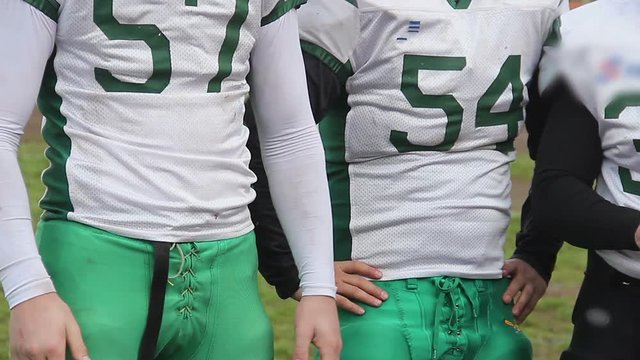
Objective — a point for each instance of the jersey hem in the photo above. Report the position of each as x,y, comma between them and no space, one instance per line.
48,7
281,8
164,236
427,273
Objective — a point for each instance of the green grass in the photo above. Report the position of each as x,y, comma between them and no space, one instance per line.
549,327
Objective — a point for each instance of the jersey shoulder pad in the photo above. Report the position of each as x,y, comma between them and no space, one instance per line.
272,10
330,29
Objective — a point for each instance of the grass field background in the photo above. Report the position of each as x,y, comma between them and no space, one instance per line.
549,327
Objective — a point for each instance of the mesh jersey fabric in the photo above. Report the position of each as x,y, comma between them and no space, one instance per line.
143,108
435,98
600,58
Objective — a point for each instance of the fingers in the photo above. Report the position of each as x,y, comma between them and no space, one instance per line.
357,294
348,305
360,268
528,301
304,336
49,349
523,301
527,310
368,287
515,286
75,343
45,352
332,353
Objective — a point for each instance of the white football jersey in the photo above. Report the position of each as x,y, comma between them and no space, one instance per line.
419,166
600,56
143,102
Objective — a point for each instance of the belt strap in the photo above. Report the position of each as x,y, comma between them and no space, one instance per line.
156,300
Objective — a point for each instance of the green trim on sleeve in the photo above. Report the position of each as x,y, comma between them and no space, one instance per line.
555,36
459,4
281,8
342,70
47,7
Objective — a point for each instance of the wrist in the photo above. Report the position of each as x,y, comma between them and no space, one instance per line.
637,237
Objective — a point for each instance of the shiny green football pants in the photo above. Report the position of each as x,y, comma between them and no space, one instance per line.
212,308
443,318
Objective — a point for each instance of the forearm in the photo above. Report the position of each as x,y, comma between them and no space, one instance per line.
275,260
21,271
577,214
538,250
292,153
26,37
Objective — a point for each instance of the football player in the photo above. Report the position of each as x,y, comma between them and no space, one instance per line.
592,83
419,104
145,248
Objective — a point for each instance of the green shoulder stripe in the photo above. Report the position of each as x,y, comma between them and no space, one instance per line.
47,7
342,70
281,8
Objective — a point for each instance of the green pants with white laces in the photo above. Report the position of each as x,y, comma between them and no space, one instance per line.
440,318
212,308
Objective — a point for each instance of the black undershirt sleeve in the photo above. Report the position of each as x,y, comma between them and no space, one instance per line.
275,259
569,160
541,254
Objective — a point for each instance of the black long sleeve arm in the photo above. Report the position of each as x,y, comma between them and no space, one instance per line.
539,252
564,203
275,259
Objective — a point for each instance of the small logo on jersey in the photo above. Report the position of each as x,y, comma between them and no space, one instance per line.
513,325
414,27
615,68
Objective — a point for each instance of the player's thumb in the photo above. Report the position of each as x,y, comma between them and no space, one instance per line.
75,343
303,341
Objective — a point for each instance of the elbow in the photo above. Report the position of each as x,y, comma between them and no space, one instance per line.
9,136
302,141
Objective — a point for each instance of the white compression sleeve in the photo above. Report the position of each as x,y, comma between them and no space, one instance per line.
292,153
26,41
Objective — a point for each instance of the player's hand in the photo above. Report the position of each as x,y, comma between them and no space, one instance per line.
43,328
353,285
526,286
317,323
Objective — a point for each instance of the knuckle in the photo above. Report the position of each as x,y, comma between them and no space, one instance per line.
31,350
53,349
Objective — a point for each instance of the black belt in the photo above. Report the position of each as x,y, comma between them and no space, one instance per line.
598,268
156,300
